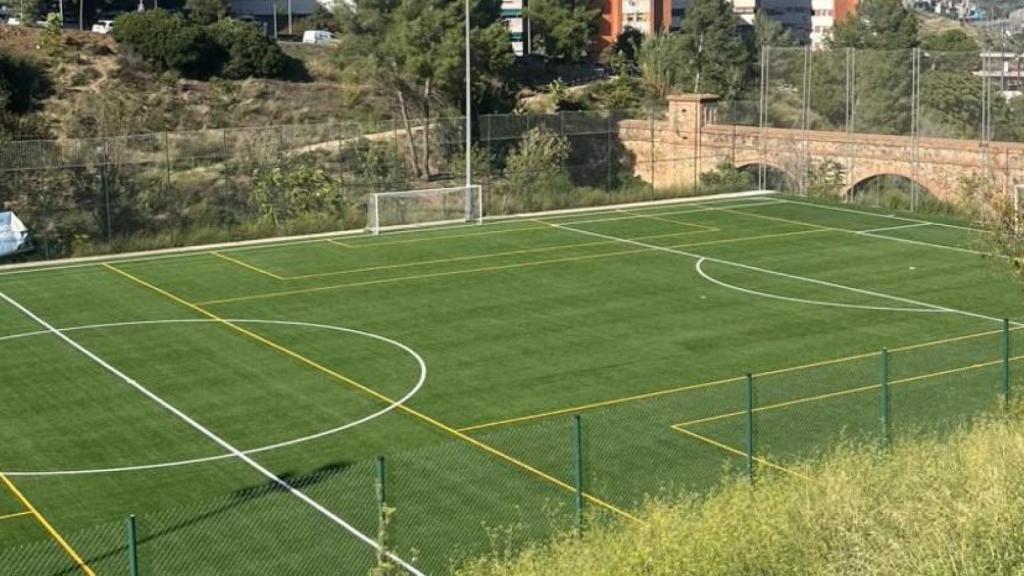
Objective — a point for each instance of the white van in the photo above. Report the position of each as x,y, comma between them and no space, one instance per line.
316,37
103,27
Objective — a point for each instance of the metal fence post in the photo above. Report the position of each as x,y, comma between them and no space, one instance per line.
382,514
577,442
133,553
748,407
1005,352
885,398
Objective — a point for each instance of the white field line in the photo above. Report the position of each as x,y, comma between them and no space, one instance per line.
900,227
784,275
283,444
890,216
872,232
167,253
206,432
628,205
709,278
635,215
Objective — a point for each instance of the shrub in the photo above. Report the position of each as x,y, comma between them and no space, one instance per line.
169,42
22,83
228,48
249,53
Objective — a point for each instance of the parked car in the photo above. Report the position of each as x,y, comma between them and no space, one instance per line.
103,26
316,37
14,21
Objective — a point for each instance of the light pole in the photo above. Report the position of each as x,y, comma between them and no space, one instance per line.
469,125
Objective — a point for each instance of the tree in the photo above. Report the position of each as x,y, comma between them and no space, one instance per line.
412,50
27,10
562,29
535,170
716,58
950,51
248,52
770,32
877,25
622,56
662,64
207,11
883,32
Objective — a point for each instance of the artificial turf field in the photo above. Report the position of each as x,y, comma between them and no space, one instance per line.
460,354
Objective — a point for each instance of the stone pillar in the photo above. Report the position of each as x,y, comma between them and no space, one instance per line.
688,114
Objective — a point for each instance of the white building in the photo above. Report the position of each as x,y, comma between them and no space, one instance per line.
512,16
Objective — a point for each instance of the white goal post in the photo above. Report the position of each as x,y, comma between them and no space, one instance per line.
419,208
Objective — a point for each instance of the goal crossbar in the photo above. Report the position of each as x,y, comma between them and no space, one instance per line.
407,209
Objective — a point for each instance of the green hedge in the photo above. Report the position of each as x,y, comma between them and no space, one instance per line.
229,48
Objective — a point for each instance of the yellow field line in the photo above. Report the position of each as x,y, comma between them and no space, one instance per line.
659,218
848,391
345,379
493,268
678,389
340,243
784,220
413,277
732,450
445,237
16,515
61,542
246,265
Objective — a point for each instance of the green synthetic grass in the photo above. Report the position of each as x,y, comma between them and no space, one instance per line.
513,319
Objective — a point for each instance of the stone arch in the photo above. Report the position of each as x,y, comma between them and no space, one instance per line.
926,188
781,173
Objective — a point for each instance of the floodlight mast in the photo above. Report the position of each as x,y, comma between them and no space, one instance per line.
468,128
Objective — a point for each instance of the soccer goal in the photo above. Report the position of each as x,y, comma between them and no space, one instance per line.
419,208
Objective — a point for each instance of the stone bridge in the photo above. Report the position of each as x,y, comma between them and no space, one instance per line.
690,142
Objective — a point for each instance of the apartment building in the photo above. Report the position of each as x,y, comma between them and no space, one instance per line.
513,17
809,21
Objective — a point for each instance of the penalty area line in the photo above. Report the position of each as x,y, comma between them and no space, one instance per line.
208,433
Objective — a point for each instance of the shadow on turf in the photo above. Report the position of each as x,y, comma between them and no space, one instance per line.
207,512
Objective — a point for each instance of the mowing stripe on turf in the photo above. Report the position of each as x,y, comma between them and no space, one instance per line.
61,542
209,434
679,389
495,268
337,375
732,450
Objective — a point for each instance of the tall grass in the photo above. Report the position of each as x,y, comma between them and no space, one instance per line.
952,505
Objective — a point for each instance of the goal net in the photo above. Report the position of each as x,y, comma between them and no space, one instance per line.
418,208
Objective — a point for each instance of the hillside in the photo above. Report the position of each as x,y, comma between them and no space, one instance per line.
931,506
98,90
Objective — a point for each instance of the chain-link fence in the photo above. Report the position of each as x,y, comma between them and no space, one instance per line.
902,129
497,486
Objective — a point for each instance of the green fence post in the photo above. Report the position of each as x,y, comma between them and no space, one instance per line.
885,398
133,553
383,516
382,494
1005,351
748,407
578,471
